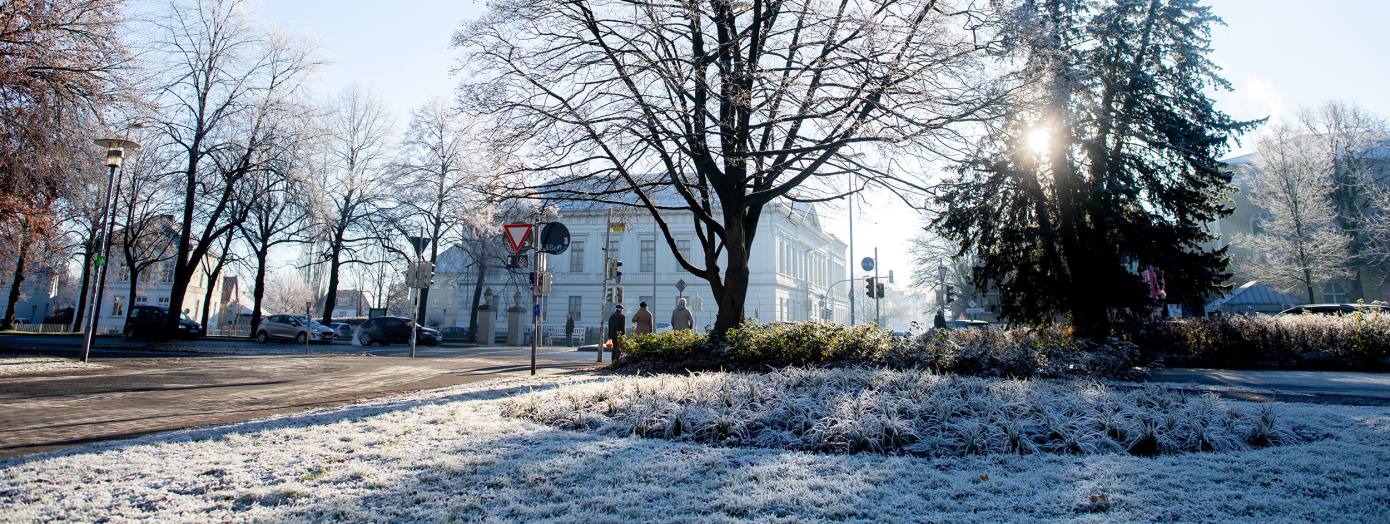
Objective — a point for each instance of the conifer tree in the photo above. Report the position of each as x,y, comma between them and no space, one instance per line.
1106,167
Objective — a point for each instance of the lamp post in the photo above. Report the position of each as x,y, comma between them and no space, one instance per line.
115,153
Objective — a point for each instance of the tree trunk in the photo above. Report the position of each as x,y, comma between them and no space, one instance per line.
207,294
478,292
330,298
732,292
13,299
80,311
258,291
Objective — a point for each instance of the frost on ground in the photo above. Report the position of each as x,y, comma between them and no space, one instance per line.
28,365
910,411
452,455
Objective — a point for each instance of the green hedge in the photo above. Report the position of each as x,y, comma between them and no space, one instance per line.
1355,341
1051,351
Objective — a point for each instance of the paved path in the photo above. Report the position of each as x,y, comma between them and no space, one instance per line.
135,395
1335,383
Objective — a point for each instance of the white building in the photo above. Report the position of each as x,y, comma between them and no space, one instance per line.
37,293
154,285
794,268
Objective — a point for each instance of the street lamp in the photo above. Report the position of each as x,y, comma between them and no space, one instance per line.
116,150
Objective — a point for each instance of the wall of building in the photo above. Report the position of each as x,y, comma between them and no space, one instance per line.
793,266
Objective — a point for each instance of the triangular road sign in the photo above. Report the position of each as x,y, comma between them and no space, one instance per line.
517,234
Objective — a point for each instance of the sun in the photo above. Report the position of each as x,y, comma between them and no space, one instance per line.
1038,140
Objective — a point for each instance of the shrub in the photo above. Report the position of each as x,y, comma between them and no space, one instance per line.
1355,341
1045,352
848,410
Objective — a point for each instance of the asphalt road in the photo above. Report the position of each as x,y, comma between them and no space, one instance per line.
1326,383
139,391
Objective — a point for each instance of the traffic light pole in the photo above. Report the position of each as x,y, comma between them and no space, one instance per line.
878,309
536,268
603,295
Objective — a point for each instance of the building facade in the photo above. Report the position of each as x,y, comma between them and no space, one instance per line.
797,272
37,294
1370,281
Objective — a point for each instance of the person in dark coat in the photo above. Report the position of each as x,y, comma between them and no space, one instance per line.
617,325
569,329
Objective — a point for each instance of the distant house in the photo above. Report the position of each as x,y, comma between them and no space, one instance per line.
1253,297
349,303
37,293
154,287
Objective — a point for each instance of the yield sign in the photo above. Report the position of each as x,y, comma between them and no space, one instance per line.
517,234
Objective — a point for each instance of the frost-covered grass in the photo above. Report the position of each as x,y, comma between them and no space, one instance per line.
909,411
451,455
29,364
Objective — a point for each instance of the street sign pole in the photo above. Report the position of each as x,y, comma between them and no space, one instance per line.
536,270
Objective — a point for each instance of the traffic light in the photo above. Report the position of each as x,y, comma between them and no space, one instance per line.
618,295
880,290
950,293
614,270
869,287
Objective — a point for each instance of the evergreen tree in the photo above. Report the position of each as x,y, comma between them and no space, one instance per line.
1106,166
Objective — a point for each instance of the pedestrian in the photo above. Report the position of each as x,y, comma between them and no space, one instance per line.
681,317
569,329
642,320
617,326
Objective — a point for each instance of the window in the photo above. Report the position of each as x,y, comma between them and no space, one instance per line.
648,258
141,299
118,306
166,273
164,301
123,273
577,257
1334,293
576,306
684,247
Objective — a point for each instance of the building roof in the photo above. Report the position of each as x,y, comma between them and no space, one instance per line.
1255,293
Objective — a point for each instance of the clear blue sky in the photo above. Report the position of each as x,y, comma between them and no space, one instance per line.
1279,54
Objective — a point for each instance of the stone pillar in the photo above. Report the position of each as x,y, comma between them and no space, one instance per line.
487,325
514,325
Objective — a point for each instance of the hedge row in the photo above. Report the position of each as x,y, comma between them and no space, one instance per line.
1051,351
1357,341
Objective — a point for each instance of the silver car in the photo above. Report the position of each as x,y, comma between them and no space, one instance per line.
293,327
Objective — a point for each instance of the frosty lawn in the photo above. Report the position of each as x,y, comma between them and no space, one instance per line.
912,411
451,454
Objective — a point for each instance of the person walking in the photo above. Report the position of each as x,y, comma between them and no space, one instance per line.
642,320
617,326
681,317
569,329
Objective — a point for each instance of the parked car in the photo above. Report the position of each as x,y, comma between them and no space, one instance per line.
395,330
341,330
293,327
148,321
966,324
1334,309
662,327
454,334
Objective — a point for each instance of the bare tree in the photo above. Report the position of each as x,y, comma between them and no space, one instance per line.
224,85
350,194
440,175
287,292
710,111
1355,141
278,212
143,206
1301,246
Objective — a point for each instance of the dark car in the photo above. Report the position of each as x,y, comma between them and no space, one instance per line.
148,321
966,324
454,334
1334,309
394,330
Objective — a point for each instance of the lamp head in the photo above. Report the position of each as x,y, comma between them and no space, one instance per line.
116,150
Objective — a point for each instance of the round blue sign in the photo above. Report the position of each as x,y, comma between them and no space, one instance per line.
867,263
